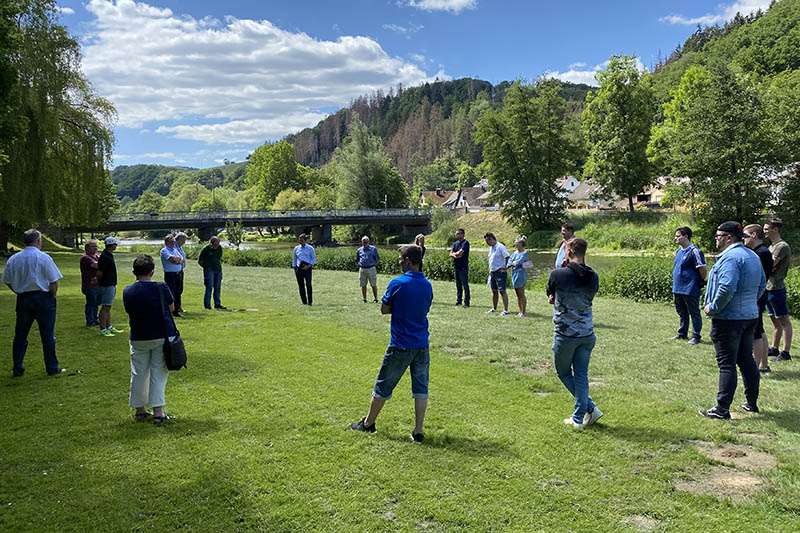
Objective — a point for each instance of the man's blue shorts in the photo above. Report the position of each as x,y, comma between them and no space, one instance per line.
394,365
776,303
107,295
497,281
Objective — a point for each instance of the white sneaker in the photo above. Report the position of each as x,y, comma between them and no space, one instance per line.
492,310
570,422
591,418
504,313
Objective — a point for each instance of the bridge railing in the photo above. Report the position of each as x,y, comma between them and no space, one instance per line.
289,214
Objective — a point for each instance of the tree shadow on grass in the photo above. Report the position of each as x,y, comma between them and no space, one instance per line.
639,434
784,375
787,419
477,447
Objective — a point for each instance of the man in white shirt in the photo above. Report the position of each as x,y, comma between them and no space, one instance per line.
33,276
498,257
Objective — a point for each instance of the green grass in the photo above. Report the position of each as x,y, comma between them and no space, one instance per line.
260,443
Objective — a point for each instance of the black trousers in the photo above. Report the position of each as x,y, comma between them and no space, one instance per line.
304,284
733,344
174,281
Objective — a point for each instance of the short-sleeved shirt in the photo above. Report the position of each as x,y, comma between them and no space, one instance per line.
148,319
30,270
765,255
685,277
89,274
108,267
367,258
410,297
182,254
461,263
211,258
498,256
166,264
779,250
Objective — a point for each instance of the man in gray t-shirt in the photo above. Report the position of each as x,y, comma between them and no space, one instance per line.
777,308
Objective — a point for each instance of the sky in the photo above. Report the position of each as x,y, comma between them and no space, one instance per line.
196,82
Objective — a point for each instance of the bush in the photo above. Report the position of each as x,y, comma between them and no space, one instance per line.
793,291
646,279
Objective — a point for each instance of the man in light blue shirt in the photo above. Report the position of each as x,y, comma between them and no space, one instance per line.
498,276
33,276
180,240
303,259
172,262
367,258
734,286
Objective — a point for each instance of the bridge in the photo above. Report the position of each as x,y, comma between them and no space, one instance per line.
319,220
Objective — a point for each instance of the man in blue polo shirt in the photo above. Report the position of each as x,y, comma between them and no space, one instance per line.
367,258
688,275
408,299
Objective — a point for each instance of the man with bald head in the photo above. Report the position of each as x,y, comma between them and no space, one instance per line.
211,261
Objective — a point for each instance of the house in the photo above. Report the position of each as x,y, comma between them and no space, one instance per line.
588,194
467,197
434,198
568,184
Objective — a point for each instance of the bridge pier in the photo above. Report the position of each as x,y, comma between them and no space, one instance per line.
414,229
206,232
321,234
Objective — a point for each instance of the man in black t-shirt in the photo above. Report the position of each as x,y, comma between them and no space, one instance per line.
460,255
107,280
755,241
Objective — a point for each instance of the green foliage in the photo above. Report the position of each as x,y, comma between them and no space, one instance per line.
273,169
793,291
188,196
616,127
208,203
528,151
782,108
150,202
290,199
235,232
643,279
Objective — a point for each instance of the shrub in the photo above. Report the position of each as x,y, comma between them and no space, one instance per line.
642,279
793,291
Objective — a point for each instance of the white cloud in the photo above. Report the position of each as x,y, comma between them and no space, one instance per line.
724,13
579,64
586,76
230,81
456,6
419,58
407,31
66,10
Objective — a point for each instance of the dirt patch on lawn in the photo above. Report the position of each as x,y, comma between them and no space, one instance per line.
536,369
755,437
596,383
737,455
641,522
722,482
459,353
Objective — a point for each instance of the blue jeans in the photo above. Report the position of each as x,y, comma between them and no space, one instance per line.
212,279
394,365
462,284
688,306
92,303
571,359
41,307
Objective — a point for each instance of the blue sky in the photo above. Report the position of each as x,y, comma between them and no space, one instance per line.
198,81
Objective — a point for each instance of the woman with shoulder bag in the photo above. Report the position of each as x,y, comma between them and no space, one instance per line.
149,305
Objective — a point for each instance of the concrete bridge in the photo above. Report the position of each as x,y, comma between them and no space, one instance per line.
319,220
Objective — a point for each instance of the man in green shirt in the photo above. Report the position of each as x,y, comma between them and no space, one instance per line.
777,309
211,261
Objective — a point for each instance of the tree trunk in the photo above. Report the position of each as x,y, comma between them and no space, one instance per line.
630,203
4,228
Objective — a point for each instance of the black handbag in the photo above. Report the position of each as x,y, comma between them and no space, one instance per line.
174,350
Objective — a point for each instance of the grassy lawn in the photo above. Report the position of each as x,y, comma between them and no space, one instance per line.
260,441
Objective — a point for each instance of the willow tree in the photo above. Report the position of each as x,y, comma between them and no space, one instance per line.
58,159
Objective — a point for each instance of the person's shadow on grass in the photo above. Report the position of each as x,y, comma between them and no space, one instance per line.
478,447
787,419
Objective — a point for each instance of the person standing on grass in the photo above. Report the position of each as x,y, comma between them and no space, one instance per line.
460,255
148,305
498,257
571,290
303,260
211,261
408,299
419,240
688,275
777,307
180,240
107,280
735,284
367,259
567,234
754,239
89,285
519,277
171,261
33,276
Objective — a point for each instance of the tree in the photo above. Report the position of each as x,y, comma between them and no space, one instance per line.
235,232
714,134
208,203
616,128
150,202
527,151
273,168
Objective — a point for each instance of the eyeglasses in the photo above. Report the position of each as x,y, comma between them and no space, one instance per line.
719,236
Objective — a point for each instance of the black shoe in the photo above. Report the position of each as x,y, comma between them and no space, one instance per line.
466,305
221,307
458,304
773,352
693,341
783,356
177,315
361,426
765,370
750,408
18,373
374,301
58,372
417,437
678,338
716,412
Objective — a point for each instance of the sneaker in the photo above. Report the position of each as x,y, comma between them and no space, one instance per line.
457,304
106,333
765,370
591,418
361,426
783,356
773,352
716,412
504,312
115,330
221,307
750,408
570,422
678,338
492,310
417,437
364,300
693,341
466,305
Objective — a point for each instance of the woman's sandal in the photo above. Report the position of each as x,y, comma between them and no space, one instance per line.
157,420
142,416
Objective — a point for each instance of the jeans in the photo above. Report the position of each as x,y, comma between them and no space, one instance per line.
92,303
462,284
571,359
41,307
394,365
212,279
173,280
733,344
304,284
688,306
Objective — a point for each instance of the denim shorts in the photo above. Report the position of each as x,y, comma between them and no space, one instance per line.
107,295
497,281
394,365
776,303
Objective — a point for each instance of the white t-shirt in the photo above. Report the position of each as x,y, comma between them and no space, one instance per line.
497,257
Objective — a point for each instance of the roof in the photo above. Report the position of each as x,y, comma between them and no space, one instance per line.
437,197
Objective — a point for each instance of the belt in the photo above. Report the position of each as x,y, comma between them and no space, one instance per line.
371,266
